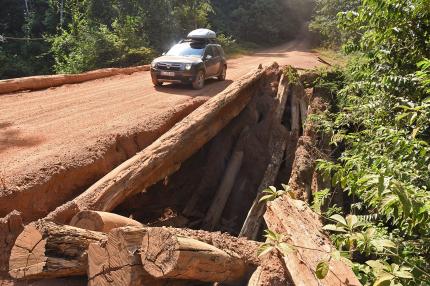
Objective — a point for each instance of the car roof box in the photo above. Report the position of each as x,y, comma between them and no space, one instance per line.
202,34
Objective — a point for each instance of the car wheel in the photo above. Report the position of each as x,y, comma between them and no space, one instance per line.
199,81
155,82
223,73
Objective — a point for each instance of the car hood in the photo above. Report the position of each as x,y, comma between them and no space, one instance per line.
177,59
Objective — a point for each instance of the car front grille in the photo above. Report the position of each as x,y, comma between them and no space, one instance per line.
169,66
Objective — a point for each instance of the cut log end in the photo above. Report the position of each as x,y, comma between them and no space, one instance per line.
159,252
166,255
27,255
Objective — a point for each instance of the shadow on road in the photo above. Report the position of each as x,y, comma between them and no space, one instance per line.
212,87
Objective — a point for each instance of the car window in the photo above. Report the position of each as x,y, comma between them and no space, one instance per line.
193,49
220,50
215,51
209,51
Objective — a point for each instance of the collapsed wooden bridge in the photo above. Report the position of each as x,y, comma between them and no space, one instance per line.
156,218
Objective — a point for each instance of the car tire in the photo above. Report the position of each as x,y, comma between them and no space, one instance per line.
222,76
199,81
156,83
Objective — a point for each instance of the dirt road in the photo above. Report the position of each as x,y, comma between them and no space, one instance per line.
54,143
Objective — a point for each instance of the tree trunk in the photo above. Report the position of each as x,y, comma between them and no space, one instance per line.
164,156
46,250
101,221
166,255
117,261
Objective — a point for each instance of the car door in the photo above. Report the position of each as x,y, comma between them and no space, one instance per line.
217,60
210,62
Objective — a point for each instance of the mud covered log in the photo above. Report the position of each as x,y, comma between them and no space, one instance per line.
167,255
254,218
47,250
302,227
117,260
46,81
101,221
165,155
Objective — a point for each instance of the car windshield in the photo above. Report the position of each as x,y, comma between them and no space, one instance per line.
187,49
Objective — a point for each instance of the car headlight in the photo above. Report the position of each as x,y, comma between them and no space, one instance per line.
188,66
154,64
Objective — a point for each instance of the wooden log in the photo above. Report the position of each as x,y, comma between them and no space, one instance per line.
47,81
218,203
47,250
166,154
303,229
10,227
101,221
254,218
282,97
166,255
117,261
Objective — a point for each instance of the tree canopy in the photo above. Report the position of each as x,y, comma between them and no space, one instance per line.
58,36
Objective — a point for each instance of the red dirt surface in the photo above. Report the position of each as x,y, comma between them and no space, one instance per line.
55,143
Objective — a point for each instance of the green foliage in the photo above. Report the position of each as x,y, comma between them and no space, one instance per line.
275,241
325,21
381,129
291,74
322,269
271,193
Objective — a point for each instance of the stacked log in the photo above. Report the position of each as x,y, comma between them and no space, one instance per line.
47,250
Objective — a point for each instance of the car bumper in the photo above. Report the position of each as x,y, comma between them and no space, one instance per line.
179,76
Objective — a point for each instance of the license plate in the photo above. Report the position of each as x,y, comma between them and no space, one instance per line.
167,73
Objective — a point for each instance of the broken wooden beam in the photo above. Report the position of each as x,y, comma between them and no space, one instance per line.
302,229
47,250
165,155
167,255
101,221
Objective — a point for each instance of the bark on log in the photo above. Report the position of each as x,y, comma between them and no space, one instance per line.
218,203
47,250
117,261
166,255
254,218
101,221
165,155
302,227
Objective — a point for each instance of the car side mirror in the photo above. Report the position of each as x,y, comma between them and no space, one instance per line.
208,57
